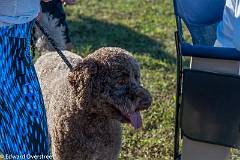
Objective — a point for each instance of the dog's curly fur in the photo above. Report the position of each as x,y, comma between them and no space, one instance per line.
85,107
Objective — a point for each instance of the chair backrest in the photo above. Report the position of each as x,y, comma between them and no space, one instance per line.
201,17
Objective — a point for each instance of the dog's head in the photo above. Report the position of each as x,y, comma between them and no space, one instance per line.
108,83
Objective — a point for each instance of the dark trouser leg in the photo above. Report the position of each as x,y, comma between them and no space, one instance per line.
55,8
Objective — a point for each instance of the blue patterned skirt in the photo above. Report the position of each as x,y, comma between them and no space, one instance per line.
23,124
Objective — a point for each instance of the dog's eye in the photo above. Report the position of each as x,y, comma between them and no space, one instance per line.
122,81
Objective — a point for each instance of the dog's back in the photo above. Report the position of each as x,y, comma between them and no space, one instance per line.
51,70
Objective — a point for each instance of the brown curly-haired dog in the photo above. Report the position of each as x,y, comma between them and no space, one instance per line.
85,107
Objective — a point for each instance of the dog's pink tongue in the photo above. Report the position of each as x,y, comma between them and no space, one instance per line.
136,119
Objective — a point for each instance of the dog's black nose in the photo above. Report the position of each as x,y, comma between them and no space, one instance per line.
145,100
145,103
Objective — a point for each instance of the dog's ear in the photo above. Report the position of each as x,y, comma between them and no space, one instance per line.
81,72
81,79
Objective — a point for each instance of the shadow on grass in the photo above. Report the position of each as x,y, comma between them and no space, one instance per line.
90,34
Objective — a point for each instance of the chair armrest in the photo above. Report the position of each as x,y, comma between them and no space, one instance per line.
202,51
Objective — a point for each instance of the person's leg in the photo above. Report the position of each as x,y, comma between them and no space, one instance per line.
23,123
194,150
55,8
